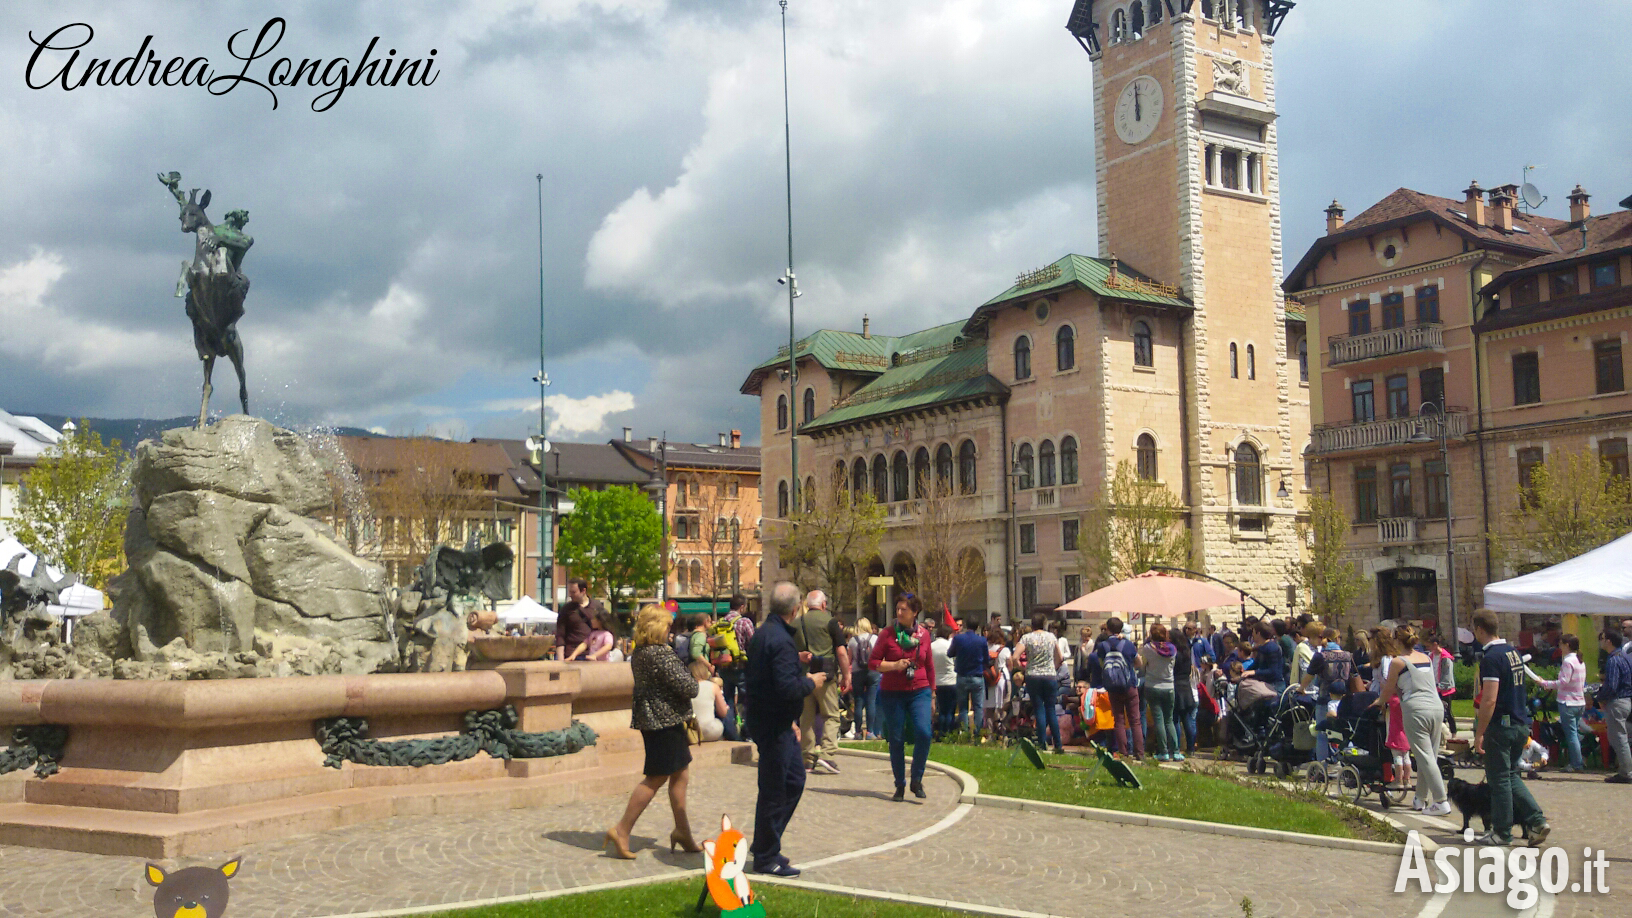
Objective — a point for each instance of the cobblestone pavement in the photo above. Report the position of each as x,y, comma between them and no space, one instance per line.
420,861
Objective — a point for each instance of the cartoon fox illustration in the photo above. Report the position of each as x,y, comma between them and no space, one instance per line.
193,892
727,853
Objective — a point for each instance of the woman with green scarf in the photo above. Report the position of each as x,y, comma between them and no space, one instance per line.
902,657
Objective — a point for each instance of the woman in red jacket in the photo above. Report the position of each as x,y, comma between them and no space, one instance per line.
901,656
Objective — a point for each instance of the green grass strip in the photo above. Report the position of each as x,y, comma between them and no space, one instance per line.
678,899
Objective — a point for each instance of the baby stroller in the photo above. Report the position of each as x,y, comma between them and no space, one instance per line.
1274,733
1360,763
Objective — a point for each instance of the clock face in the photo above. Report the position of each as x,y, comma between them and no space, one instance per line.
1138,109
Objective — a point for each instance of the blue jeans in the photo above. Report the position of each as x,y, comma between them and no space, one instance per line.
864,702
904,710
1569,723
1044,691
732,677
1161,713
972,689
1185,721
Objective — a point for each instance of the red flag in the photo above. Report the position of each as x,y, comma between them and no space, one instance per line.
946,613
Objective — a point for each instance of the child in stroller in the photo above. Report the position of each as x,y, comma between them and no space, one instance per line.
1276,730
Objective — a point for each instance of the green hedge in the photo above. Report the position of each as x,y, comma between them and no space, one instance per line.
1467,675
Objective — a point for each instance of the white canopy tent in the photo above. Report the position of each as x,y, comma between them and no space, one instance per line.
526,610
1596,583
75,602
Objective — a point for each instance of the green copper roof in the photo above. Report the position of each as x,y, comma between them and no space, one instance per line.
1095,275
835,350
934,366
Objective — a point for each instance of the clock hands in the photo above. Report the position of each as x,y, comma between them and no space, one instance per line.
1137,113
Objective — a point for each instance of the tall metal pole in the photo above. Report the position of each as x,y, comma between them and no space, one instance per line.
793,286
1450,556
546,531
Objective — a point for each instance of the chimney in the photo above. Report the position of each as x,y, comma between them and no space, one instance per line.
1501,208
1475,204
651,444
1579,211
722,440
628,435
866,331
1334,217
736,439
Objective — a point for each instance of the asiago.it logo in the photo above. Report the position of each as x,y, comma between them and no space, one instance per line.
1523,873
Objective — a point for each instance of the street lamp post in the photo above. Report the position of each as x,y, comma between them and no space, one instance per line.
659,489
1420,435
791,283
546,531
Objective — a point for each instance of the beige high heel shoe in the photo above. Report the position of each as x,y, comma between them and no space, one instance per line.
619,848
683,841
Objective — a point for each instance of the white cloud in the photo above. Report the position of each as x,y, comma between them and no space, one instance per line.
571,416
39,327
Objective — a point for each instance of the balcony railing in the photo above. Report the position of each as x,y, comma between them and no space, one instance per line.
1045,497
1397,530
1418,336
1334,438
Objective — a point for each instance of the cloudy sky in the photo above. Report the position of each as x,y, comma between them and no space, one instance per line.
939,148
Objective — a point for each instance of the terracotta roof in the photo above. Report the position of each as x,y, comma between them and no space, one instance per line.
1611,232
1580,304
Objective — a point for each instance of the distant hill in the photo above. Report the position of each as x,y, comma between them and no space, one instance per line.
131,431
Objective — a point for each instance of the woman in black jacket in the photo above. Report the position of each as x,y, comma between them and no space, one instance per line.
1184,695
659,708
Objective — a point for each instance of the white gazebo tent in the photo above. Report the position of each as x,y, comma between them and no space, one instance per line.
1596,583
74,603
526,611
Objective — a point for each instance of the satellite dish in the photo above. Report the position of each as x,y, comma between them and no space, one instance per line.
1533,198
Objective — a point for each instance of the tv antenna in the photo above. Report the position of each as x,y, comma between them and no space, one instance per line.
1529,194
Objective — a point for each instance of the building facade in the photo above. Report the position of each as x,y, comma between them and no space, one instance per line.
1170,351
23,440
1503,330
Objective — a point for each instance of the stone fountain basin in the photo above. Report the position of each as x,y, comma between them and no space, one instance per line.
510,648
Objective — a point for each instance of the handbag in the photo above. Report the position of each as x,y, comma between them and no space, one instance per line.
694,733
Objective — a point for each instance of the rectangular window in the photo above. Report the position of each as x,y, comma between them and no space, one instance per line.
1428,304
1529,458
1524,291
1073,586
1526,378
1431,382
1365,494
1028,538
1393,310
1606,274
1359,317
1433,473
1612,453
1365,406
1028,594
1399,396
1229,166
1399,489
1606,357
1068,534
1562,283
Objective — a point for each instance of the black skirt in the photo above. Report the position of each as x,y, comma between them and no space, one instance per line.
667,750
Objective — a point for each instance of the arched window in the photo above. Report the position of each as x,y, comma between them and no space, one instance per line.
781,412
696,576
1155,11
841,478
1144,451
1144,354
943,468
1068,461
1249,476
722,577
810,406
681,571
920,472
736,530
810,493
1136,21
1252,363
966,467
858,478
1022,357
1235,372
1207,8
902,475
782,499
1243,15
881,479
696,489
1303,360
1023,466
1065,347
722,532
1045,464
1119,26
680,492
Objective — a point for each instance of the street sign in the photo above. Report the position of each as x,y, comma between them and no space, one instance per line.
881,581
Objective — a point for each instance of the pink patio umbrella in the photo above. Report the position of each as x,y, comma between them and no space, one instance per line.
1152,593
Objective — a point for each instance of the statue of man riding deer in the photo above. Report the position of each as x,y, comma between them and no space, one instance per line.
214,285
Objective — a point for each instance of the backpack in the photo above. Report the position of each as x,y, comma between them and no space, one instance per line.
682,646
1114,670
1339,666
722,643
991,665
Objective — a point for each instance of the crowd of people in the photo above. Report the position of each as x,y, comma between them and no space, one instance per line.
800,680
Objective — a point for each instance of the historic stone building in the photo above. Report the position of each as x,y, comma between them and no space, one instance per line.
1509,323
1170,350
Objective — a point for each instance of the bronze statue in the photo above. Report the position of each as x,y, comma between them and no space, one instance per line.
214,285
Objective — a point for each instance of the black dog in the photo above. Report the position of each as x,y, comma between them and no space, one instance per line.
1472,800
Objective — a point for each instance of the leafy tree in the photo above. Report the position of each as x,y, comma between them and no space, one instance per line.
613,539
72,508
1134,526
1573,505
1332,582
827,539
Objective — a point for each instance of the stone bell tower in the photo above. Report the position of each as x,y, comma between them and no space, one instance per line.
1188,190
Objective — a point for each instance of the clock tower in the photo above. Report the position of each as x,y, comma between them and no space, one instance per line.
1188,194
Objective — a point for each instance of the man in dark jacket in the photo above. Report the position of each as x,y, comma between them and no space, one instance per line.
776,685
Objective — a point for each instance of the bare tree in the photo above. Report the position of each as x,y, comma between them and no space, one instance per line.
1134,526
829,537
720,531
940,527
421,493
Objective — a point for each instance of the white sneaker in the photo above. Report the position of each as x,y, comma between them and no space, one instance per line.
1442,808
824,767
1416,804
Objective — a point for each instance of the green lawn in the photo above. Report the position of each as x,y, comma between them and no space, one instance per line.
677,900
1184,794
